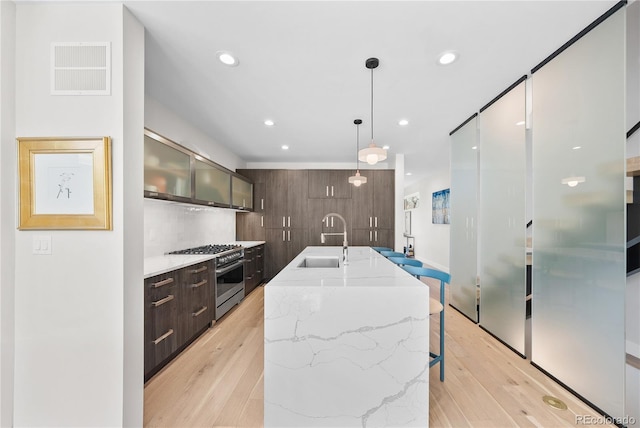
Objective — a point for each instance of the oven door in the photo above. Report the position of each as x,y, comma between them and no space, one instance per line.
229,286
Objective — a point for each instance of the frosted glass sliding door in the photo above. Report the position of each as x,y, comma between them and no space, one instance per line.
579,216
502,217
463,217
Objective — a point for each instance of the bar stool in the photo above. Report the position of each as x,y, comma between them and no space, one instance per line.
378,249
444,278
404,261
388,254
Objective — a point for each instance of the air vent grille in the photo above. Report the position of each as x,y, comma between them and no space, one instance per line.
81,68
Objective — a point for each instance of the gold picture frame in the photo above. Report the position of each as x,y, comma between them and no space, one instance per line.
65,183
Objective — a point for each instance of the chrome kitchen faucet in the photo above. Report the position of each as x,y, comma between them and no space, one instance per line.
345,245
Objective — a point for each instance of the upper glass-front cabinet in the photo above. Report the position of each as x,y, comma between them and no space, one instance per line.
167,169
242,193
176,173
213,185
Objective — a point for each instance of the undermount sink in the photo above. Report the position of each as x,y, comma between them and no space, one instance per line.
320,262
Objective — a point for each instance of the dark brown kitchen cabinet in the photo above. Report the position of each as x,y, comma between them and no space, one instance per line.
373,209
254,268
167,169
282,245
212,184
161,322
285,203
285,217
241,193
326,184
318,208
289,215
175,173
195,314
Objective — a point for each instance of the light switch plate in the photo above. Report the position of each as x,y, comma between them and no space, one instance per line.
42,244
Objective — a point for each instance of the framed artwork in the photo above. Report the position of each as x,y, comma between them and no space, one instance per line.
412,201
65,183
440,207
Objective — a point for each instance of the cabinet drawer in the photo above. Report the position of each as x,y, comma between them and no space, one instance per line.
196,306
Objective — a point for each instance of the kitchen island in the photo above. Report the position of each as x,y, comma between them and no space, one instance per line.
346,346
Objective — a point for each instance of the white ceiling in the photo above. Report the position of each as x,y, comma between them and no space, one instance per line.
302,64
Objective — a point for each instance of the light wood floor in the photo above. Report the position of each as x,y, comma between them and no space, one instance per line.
217,381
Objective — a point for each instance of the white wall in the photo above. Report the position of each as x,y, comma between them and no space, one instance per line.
71,349
170,226
7,209
133,215
431,240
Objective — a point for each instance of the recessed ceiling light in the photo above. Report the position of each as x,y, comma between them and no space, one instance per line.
520,123
408,173
285,147
227,58
474,148
269,122
577,147
385,147
446,58
403,122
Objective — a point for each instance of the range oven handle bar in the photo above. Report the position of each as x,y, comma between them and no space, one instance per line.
229,268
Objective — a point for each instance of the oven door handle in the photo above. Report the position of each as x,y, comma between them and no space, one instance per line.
229,268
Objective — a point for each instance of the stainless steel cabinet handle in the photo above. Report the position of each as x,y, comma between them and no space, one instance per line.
261,221
327,191
370,236
331,221
376,235
195,314
200,269
370,222
289,235
162,301
161,283
283,223
199,284
376,221
163,337
289,221
283,236
261,204
259,256
331,190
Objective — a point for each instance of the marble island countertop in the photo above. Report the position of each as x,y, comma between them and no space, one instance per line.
161,264
346,346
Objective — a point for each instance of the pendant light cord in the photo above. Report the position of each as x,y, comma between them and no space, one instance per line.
372,105
357,147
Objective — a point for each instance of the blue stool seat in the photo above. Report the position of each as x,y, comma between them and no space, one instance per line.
378,249
404,261
444,278
388,254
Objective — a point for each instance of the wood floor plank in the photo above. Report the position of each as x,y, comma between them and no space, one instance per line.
218,380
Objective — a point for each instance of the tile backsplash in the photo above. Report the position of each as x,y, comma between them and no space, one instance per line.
170,226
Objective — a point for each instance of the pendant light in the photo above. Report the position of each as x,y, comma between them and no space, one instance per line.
372,154
357,179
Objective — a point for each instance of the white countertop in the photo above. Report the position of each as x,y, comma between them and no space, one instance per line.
161,264
346,346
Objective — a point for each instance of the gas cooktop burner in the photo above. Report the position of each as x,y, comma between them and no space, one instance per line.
208,249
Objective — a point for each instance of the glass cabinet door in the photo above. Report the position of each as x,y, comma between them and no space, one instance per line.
167,170
242,193
213,185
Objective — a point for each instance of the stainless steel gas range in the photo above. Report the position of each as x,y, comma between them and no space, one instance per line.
228,284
